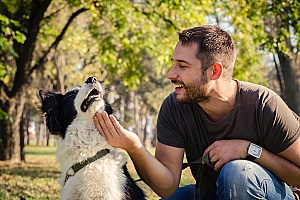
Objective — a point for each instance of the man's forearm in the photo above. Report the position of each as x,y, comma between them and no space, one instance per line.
282,168
153,173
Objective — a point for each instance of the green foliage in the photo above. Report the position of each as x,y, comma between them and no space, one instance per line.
246,27
270,23
3,115
128,44
122,33
7,31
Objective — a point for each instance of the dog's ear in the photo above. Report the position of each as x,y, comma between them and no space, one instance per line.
50,107
50,100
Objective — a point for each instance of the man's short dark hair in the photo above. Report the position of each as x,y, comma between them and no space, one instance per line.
214,45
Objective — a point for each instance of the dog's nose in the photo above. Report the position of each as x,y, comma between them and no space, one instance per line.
91,80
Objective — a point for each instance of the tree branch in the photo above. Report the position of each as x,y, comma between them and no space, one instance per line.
5,88
168,21
26,51
54,45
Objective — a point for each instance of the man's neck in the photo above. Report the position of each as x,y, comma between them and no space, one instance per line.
222,101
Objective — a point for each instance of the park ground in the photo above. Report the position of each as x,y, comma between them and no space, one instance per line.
37,178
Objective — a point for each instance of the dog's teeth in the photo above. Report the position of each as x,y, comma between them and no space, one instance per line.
93,96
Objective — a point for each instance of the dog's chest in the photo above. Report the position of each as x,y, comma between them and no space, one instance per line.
82,141
102,179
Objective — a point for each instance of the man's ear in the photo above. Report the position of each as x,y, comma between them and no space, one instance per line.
217,70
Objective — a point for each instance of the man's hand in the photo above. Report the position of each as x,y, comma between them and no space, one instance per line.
114,133
223,151
151,170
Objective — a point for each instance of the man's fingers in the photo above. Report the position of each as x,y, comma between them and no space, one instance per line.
106,125
97,118
109,126
115,123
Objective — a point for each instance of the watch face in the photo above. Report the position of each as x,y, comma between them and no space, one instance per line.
255,150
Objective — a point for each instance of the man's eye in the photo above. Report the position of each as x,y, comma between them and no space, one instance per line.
182,66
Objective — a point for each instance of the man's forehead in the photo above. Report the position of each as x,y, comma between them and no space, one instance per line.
184,53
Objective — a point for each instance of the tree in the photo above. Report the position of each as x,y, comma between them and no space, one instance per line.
274,27
281,23
126,43
22,21
26,23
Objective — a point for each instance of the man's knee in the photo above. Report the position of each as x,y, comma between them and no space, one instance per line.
242,179
237,170
237,178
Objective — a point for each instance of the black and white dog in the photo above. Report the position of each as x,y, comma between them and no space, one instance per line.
91,169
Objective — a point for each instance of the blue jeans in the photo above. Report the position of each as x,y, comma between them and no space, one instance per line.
242,180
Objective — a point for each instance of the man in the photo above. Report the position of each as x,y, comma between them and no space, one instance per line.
248,132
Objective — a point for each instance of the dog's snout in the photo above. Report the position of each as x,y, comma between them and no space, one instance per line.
91,80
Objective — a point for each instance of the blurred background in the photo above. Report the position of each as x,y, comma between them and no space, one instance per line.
127,44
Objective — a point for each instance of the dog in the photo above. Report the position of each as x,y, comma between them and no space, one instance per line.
90,167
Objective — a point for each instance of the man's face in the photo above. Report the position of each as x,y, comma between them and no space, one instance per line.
186,74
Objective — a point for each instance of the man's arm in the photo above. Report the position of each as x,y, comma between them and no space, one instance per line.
285,165
162,172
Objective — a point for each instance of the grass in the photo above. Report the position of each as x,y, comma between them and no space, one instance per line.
37,178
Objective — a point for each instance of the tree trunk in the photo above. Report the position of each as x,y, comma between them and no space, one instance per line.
23,132
10,129
291,75
137,115
12,97
47,138
145,133
59,62
39,136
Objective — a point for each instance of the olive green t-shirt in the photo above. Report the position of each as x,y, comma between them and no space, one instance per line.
259,116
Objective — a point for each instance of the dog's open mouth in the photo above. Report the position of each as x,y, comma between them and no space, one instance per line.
94,95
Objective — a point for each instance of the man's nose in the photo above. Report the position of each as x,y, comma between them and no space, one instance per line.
172,73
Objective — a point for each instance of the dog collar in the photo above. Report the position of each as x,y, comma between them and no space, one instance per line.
78,166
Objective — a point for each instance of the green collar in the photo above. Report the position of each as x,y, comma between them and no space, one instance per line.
78,166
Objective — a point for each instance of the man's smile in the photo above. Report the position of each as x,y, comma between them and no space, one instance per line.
179,86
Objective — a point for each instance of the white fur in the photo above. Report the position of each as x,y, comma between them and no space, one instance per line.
82,94
102,179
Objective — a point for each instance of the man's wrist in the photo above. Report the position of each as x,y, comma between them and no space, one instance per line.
245,149
134,148
254,152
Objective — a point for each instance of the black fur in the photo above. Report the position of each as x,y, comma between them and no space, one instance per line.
132,190
60,111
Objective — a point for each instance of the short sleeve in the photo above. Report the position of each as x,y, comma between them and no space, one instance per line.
282,125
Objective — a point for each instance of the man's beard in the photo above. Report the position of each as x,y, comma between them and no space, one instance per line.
195,92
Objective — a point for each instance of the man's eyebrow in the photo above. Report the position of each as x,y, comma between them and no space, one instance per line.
181,61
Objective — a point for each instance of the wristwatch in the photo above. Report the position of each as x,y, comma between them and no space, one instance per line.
254,152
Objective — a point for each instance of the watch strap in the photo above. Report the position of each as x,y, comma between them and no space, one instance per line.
250,157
